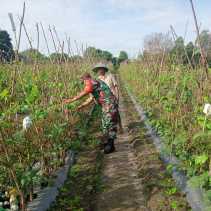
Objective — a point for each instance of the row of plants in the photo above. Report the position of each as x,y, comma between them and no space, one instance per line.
159,187
84,177
31,153
173,100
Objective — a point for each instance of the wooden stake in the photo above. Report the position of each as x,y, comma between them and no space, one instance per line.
203,57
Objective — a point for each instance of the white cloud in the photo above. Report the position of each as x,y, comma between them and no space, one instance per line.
109,24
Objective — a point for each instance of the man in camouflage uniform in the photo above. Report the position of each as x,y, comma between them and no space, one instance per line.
103,96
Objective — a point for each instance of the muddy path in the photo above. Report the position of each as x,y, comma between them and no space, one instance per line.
134,177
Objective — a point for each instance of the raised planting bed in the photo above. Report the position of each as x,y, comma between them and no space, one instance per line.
45,197
195,196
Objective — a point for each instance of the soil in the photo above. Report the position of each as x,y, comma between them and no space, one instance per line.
82,184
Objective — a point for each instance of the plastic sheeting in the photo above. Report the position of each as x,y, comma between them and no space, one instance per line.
48,195
194,195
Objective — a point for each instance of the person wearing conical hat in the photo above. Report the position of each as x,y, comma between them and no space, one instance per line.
104,75
104,97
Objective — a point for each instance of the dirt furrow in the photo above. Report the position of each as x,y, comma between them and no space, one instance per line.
134,178
123,189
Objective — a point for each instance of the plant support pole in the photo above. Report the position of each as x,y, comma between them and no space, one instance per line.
203,57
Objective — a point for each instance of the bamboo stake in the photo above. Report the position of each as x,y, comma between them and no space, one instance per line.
13,29
38,42
61,45
46,42
45,38
175,37
27,35
21,25
203,57
52,37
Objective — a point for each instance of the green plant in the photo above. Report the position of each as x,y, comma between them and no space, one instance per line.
29,157
173,99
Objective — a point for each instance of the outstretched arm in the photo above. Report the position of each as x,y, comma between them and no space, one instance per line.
87,102
79,96
87,90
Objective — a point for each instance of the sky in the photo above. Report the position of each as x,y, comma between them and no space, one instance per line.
112,25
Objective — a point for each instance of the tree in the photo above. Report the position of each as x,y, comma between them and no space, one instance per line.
190,49
157,43
205,40
31,55
115,62
90,52
106,55
98,54
178,51
123,56
6,48
58,57
76,58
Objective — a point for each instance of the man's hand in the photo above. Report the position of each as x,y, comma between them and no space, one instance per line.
66,101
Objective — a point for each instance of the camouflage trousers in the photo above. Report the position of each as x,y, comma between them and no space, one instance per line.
110,116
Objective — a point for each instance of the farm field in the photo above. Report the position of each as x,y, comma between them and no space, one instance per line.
29,157
174,102
105,105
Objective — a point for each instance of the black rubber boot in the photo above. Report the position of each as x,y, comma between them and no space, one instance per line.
112,146
109,146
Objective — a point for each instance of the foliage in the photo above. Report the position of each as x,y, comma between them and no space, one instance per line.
123,56
6,48
31,55
115,63
179,49
177,52
205,40
156,43
58,57
29,157
173,98
99,54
